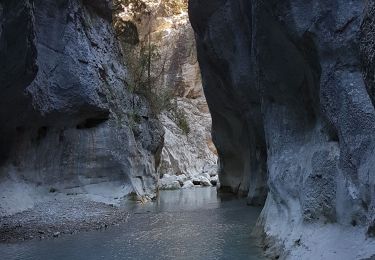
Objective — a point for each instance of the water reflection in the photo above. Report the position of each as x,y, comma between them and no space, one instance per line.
184,224
181,200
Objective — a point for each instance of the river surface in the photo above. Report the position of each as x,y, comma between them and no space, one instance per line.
183,224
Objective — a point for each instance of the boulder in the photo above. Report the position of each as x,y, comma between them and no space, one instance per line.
206,175
188,184
170,182
170,185
196,181
214,180
211,169
204,181
181,178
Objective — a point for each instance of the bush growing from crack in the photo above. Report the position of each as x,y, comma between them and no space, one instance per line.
181,120
145,63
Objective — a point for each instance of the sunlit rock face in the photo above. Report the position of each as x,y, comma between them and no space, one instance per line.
190,154
166,25
186,152
289,86
64,119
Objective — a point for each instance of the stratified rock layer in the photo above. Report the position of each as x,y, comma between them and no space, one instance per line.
64,119
289,86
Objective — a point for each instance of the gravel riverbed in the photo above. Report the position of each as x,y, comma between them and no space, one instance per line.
60,216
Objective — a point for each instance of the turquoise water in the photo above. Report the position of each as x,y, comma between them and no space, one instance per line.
184,224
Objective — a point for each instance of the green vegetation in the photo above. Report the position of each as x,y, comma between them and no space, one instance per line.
146,68
180,119
146,63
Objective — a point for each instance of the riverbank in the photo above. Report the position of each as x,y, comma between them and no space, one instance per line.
39,213
296,239
319,241
59,213
184,224
58,216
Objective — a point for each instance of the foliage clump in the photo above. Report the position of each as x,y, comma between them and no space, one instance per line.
181,120
144,59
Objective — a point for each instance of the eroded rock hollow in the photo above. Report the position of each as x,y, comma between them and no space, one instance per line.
289,85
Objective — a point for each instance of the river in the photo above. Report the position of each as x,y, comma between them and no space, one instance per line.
183,224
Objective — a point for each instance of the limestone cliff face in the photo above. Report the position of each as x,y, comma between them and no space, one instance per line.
65,110
166,25
289,85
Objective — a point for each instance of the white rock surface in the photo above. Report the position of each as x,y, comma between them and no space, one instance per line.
193,153
187,154
204,181
188,184
169,184
313,240
206,175
182,178
211,169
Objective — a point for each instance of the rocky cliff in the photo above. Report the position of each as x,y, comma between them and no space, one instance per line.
290,88
188,150
66,112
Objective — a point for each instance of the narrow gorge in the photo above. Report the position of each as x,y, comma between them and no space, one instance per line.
187,129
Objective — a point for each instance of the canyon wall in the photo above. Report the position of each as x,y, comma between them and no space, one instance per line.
65,110
290,88
164,25
71,121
